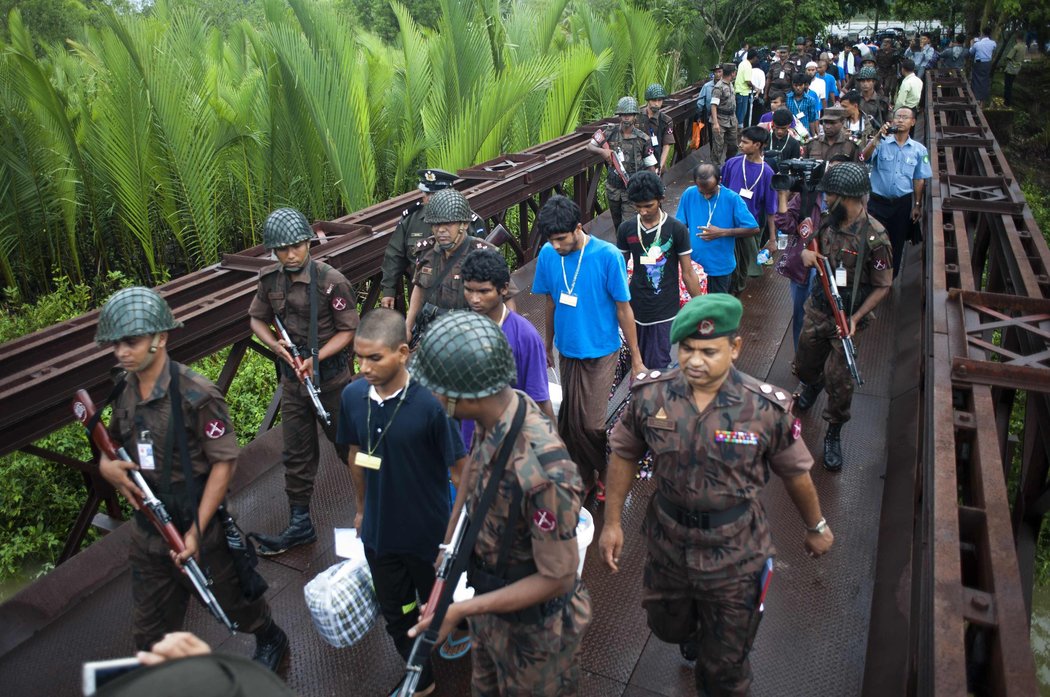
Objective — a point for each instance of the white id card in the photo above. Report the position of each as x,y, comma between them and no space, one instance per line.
656,141
781,74
146,457
800,115
840,276
567,299
746,193
649,260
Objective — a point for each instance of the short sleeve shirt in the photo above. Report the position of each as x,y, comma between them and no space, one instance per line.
895,167
288,296
754,182
659,129
432,261
725,210
588,329
654,285
726,106
843,247
743,76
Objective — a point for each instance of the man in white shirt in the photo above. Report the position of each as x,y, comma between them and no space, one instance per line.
817,84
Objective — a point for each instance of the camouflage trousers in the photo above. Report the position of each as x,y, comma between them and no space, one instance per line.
723,142
723,617
299,421
820,358
619,205
512,659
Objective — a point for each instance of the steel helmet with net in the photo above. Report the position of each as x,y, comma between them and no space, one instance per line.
134,312
285,227
464,355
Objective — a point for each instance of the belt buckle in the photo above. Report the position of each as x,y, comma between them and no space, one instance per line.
692,519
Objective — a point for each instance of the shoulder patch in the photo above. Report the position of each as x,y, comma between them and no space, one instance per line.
411,209
771,393
639,380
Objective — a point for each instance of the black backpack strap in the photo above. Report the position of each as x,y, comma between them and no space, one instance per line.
314,353
179,426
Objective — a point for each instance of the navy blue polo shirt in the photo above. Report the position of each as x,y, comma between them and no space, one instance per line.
407,498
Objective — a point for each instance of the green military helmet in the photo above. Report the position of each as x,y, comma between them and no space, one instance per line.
133,312
464,355
285,227
846,179
627,105
867,73
447,206
655,91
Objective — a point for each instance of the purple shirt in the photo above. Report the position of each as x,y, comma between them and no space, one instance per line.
530,359
753,176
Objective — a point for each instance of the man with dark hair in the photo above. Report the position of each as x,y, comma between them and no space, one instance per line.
715,434
397,432
486,279
887,60
983,51
783,145
724,125
743,85
659,248
588,305
900,168
834,140
714,216
924,57
748,175
779,73
703,102
632,149
910,91
857,125
954,57
1014,58
802,103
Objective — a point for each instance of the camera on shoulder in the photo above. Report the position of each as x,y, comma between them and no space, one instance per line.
797,174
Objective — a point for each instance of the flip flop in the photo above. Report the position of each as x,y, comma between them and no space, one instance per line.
455,648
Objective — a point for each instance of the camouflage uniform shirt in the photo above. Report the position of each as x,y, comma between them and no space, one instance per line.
843,247
726,107
659,128
635,147
824,148
710,461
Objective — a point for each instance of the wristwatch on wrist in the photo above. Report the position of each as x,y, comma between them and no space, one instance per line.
819,528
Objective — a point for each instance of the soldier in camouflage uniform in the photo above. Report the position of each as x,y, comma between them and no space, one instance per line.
319,309
437,285
634,150
401,251
657,125
724,126
799,58
862,260
136,322
715,434
871,102
524,561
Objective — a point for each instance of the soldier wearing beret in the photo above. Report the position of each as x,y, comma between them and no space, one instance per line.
402,252
862,260
715,434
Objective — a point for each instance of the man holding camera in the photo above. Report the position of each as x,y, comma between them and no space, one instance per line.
860,255
900,168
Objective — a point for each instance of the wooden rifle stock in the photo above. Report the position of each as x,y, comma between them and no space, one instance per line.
617,166
838,312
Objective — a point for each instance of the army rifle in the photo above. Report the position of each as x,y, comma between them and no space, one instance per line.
838,311
84,411
614,160
297,358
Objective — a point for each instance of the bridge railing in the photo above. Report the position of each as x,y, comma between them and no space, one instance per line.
958,579
42,370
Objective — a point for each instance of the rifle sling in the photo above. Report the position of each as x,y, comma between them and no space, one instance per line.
466,546
436,286
179,425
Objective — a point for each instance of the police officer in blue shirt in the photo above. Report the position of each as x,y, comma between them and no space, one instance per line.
900,168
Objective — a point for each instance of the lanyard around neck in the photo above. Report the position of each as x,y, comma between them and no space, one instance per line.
712,206
648,251
579,262
743,173
368,419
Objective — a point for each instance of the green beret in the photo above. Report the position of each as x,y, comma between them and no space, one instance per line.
707,317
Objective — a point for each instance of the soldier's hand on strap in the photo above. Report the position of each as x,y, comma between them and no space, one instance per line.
818,544
610,544
116,473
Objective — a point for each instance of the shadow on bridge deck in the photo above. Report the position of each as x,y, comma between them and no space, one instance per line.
811,643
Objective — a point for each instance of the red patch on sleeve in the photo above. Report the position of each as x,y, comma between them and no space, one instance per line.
216,428
796,429
544,520
338,303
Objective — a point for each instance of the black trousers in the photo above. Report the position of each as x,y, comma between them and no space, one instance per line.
895,216
402,583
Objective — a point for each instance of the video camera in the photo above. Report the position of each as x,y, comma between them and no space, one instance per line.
797,174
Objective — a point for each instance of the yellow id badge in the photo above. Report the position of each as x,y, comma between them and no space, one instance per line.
365,460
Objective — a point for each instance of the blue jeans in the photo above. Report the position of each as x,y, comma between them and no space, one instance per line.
799,293
742,100
719,284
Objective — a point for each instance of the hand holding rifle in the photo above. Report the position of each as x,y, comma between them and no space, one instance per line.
846,325
304,370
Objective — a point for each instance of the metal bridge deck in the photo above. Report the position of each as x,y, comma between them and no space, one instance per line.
811,643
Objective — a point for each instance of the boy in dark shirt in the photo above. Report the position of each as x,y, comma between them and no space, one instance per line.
402,446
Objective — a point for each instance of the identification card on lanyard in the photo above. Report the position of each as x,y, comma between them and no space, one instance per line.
746,193
567,299
145,448
655,140
365,460
840,276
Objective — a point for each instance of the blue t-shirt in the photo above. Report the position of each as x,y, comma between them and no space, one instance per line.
725,210
590,329
407,499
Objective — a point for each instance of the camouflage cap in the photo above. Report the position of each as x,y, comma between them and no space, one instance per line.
464,355
447,206
431,180
848,179
134,311
867,73
655,91
707,317
285,227
627,105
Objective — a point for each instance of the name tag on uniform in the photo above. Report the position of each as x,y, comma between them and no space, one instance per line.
567,299
840,276
365,460
145,448
736,437
715,101
746,193
655,140
781,74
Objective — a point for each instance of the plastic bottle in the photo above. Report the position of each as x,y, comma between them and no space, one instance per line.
763,257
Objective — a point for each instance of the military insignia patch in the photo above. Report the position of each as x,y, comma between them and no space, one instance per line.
338,304
216,428
736,437
796,429
706,327
660,414
880,264
544,520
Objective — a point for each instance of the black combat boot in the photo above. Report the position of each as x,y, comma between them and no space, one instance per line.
806,395
300,531
271,646
833,448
